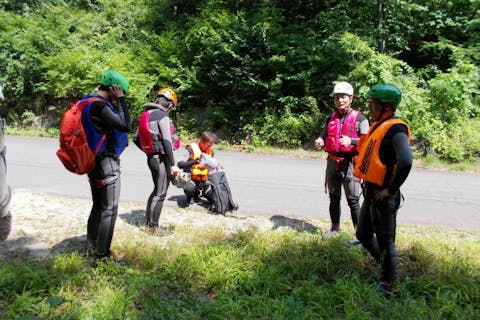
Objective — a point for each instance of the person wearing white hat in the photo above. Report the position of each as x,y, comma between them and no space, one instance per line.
339,139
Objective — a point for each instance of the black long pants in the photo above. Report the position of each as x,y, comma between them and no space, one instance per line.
197,188
161,180
376,231
335,181
105,188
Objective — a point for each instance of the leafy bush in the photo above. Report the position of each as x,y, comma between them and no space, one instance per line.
293,125
248,69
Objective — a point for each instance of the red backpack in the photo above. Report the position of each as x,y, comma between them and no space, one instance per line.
74,152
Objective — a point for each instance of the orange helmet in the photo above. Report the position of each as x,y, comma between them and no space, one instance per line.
169,94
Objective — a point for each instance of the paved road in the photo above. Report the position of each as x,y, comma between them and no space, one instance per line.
262,184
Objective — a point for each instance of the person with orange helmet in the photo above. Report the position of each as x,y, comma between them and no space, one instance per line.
339,139
155,137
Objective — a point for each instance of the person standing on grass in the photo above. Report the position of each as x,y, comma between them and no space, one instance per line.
101,117
154,137
384,163
339,139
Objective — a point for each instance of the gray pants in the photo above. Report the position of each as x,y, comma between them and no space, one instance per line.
161,180
338,175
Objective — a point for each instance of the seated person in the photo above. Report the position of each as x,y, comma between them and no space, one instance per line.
198,160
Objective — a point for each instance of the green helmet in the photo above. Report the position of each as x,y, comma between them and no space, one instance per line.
111,78
386,93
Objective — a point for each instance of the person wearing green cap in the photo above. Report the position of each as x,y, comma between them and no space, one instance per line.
107,125
384,163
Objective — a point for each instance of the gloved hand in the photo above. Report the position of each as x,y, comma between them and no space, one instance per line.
319,143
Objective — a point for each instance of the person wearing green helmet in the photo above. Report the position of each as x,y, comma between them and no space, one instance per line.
384,163
110,117
112,78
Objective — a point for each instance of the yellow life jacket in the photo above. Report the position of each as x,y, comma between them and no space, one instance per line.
199,173
367,165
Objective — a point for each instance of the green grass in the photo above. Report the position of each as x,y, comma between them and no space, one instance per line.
278,274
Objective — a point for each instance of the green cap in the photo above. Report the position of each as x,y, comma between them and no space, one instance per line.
386,93
111,78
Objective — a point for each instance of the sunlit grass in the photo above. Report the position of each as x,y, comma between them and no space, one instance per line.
207,273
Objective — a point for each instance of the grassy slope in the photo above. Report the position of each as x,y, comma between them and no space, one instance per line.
247,275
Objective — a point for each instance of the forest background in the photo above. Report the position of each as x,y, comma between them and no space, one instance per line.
257,72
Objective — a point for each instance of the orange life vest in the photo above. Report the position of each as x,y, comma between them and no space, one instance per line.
367,165
198,172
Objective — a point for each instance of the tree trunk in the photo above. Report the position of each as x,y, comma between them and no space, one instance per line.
380,26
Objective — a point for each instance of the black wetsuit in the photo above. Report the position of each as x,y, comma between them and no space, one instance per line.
159,163
377,222
105,177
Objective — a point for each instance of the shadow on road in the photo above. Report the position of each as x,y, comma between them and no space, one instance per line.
181,200
298,225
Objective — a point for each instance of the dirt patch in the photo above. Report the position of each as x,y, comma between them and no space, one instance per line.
45,224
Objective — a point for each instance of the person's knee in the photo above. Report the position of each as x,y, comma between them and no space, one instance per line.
362,237
353,202
158,198
386,242
108,214
334,197
189,189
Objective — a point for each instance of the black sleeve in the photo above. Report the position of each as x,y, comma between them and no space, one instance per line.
125,114
187,160
186,164
107,118
169,151
404,161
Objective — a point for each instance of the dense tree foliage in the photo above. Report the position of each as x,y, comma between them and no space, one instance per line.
254,71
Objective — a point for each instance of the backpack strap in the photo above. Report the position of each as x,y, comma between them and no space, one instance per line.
80,105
